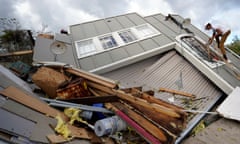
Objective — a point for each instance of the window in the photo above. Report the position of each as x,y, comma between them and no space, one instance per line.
145,30
108,42
85,47
114,39
127,36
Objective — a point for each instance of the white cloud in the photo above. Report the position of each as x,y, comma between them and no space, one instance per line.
58,14
149,7
27,19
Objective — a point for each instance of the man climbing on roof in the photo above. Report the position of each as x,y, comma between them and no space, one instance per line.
217,34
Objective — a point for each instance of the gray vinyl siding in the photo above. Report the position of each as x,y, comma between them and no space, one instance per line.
162,40
102,59
136,19
89,30
86,63
113,24
168,30
77,32
118,54
101,27
125,21
148,44
42,51
134,49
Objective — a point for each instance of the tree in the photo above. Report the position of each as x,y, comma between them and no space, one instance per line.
235,45
12,38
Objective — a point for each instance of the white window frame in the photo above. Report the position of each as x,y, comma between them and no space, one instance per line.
127,36
108,43
144,33
97,44
85,48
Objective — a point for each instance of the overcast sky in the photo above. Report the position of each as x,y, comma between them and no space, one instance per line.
59,14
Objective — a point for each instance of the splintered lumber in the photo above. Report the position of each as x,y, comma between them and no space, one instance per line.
141,131
177,92
150,98
31,102
137,101
146,124
42,107
17,53
92,77
174,125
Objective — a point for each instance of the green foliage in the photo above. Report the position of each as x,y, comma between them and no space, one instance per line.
235,45
13,38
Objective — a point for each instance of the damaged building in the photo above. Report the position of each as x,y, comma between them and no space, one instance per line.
154,72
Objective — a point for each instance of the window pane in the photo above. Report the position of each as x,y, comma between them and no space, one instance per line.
127,36
145,30
85,47
108,42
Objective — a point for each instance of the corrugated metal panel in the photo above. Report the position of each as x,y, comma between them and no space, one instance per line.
166,72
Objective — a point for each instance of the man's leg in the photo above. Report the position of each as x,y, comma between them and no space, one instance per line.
221,45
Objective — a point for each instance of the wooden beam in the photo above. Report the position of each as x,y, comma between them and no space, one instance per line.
92,77
146,124
42,107
31,102
17,53
137,101
177,92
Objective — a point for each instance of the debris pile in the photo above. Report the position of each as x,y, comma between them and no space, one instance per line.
93,108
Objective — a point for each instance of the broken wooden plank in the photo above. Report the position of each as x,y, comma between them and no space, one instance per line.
31,102
177,92
92,77
137,101
152,99
146,124
134,125
17,53
42,107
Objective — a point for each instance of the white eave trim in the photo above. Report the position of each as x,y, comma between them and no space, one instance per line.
133,59
208,72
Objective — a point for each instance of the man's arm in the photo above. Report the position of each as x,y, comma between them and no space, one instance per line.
210,40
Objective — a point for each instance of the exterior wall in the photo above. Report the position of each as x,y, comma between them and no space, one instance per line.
168,31
113,24
42,50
